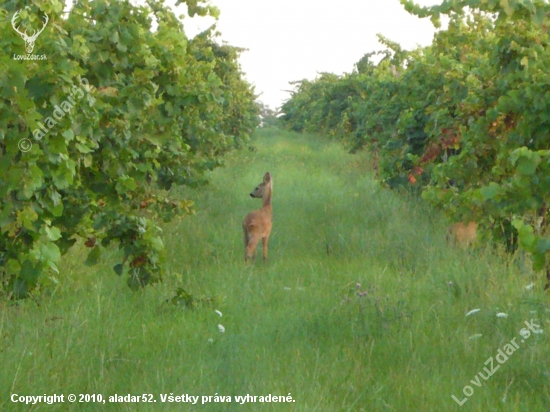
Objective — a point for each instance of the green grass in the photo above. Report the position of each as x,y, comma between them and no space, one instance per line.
298,324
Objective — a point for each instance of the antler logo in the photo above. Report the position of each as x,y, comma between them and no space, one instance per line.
29,40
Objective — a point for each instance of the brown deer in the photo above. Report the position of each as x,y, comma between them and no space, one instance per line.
257,224
461,234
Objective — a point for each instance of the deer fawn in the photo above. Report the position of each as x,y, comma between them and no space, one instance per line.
461,234
257,224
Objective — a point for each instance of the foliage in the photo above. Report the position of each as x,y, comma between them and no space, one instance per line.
115,117
464,121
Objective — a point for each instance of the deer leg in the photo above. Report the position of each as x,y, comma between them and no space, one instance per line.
245,237
265,240
251,248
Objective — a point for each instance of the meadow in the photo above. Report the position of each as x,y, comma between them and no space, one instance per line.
361,306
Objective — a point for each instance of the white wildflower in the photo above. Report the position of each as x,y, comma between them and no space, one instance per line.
218,312
530,286
476,336
221,328
472,312
502,315
210,340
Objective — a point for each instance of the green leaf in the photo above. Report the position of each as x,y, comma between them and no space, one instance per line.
53,233
490,191
118,268
114,37
542,246
83,148
93,257
157,243
539,261
88,160
6,219
12,267
27,217
125,184
33,181
29,273
50,252
20,289
68,135
57,210
525,61
138,278
526,166
525,233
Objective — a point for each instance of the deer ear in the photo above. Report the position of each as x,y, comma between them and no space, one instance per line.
267,177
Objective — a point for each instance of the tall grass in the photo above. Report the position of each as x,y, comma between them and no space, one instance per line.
361,306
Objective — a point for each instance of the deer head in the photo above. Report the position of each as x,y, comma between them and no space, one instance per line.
29,40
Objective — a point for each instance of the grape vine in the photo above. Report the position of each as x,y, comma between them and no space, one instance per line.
464,122
93,137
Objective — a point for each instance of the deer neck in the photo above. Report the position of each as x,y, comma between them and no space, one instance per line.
267,201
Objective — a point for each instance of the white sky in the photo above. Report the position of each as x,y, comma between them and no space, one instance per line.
295,39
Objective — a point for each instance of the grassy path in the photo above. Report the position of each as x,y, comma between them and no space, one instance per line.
353,312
